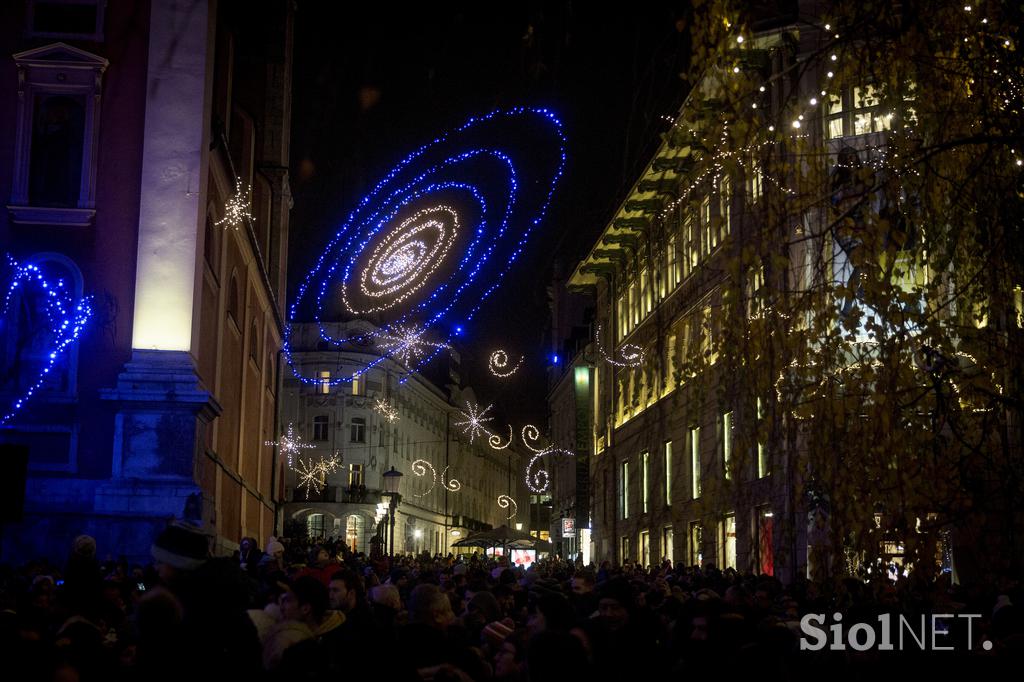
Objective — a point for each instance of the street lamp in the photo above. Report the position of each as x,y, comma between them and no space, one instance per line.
391,480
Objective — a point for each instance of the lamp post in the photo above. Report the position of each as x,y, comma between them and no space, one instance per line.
391,480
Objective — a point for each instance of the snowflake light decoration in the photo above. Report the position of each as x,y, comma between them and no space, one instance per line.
236,210
406,343
473,425
313,475
384,407
290,444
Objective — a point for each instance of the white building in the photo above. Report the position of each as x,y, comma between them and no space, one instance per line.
455,485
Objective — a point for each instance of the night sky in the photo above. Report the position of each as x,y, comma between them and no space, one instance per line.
375,81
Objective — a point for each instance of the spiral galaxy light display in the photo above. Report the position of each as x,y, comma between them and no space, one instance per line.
427,246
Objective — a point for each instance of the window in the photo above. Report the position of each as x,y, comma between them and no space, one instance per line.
667,549
728,541
315,525
624,549
755,295
634,305
755,182
710,240
325,381
623,315
234,302
353,527
672,270
762,453
695,462
254,343
355,475
211,243
707,336
668,473
725,437
645,293
724,207
358,385
320,427
696,543
856,111
54,179
74,19
645,548
358,430
764,539
692,245
644,467
624,491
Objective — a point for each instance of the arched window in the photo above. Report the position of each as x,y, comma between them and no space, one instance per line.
353,531
234,302
315,525
254,343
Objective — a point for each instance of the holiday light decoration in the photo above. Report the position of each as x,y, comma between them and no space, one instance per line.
452,485
236,210
406,344
474,422
428,245
498,364
290,444
539,480
62,319
504,501
384,407
313,475
419,468
631,354
494,440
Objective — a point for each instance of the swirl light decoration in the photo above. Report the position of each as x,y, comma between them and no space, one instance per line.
498,364
40,314
631,354
473,425
419,468
539,480
451,485
494,440
504,501
427,246
290,444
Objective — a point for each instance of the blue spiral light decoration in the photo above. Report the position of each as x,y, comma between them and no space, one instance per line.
425,248
59,318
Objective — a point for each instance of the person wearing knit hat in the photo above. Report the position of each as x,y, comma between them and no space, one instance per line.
180,547
84,545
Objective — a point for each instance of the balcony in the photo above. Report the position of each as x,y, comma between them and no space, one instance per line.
337,494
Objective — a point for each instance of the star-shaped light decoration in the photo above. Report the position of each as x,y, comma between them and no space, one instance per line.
236,210
406,343
313,475
386,409
290,444
473,425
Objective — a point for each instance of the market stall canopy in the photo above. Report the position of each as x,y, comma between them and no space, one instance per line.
502,536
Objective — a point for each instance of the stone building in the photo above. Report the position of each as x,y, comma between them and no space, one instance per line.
130,128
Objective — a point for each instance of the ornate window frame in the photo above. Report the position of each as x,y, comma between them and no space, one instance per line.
57,68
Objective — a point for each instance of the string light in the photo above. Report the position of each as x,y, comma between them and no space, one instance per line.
66,316
313,475
451,485
236,209
419,468
406,343
474,422
435,237
538,481
506,502
290,444
494,440
631,354
386,409
498,364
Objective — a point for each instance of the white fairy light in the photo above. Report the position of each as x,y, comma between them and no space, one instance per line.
631,354
406,343
313,475
451,485
538,481
505,502
384,407
236,210
419,468
494,440
290,444
474,422
498,364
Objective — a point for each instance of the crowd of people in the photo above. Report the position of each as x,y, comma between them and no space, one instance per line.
301,610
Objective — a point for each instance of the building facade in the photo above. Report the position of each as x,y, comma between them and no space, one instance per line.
378,418
133,128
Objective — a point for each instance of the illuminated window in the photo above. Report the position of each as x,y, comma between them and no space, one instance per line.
672,273
725,437
724,207
729,541
762,452
668,473
624,549
645,294
710,235
856,111
355,475
667,549
692,245
755,182
645,548
624,491
325,382
321,423
358,386
696,544
644,470
695,462
764,540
